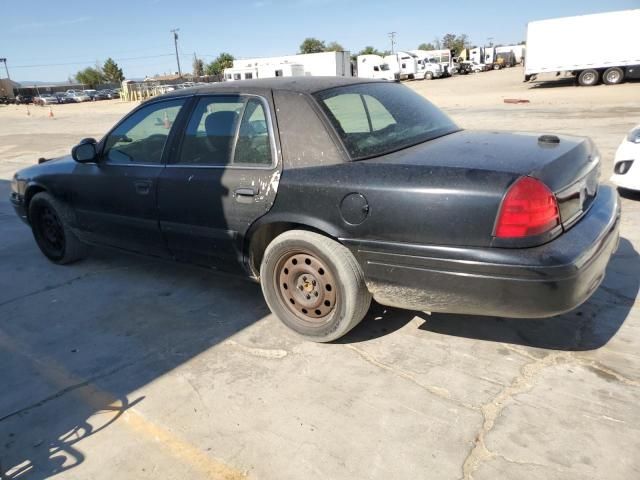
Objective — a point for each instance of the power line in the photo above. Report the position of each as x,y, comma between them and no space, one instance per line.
91,61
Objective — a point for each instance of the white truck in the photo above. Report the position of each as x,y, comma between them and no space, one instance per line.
518,51
590,47
403,63
332,64
374,66
428,67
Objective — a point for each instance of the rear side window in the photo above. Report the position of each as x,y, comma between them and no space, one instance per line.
227,130
377,118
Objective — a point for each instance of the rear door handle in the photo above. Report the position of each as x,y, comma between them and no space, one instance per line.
143,187
244,194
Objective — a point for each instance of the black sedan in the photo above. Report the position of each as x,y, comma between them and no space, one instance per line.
331,192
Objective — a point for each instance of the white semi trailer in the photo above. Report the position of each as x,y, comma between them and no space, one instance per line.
331,64
602,46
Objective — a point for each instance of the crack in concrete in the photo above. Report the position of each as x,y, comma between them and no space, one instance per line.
68,389
493,409
49,288
271,353
439,392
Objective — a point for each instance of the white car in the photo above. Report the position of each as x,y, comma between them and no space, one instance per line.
626,166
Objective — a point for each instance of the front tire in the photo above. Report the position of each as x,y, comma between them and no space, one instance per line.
314,285
589,77
49,221
613,76
428,76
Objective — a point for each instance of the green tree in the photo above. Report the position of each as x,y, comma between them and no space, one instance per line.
334,47
224,60
455,42
369,50
312,45
198,67
427,46
90,76
112,72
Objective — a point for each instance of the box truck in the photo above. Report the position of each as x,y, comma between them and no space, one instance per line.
602,46
403,63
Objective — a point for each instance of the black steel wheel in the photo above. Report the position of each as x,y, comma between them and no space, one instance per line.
49,220
314,285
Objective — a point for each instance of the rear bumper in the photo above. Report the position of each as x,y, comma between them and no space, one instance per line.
523,283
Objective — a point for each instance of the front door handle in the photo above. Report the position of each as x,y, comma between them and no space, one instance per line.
143,187
244,194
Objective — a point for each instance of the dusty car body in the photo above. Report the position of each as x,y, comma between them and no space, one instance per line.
333,191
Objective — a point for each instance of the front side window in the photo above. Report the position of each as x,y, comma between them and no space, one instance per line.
377,118
227,130
248,76
236,76
141,138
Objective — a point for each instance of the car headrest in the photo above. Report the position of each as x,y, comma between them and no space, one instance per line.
220,124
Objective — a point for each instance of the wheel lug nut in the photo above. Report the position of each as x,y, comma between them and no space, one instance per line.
315,293
308,297
304,279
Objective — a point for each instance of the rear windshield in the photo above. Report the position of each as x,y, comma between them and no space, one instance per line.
377,118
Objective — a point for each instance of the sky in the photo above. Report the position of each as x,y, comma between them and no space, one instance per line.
49,40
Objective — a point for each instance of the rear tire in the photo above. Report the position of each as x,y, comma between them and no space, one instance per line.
613,76
589,77
314,285
49,219
428,76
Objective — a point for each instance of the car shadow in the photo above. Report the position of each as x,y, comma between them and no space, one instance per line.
588,327
77,341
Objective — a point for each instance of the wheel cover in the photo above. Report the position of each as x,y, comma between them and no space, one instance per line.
613,76
51,231
306,287
589,77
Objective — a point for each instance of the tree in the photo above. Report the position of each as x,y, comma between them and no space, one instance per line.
198,67
369,50
112,72
224,60
90,76
455,42
312,45
426,46
334,47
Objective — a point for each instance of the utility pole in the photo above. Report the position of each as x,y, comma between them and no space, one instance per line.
175,42
392,36
4,60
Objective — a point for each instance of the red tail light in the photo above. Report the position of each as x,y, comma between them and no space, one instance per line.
529,208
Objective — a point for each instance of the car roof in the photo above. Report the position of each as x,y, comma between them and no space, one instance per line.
293,84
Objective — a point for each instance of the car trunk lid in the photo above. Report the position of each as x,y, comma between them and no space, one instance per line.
569,166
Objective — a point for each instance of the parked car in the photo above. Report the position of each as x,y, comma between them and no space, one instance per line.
24,99
331,192
464,68
78,97
626,166
6,100
109,94
478,67
45,99
95,95
63,97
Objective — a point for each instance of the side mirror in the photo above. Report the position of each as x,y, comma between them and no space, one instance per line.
85,151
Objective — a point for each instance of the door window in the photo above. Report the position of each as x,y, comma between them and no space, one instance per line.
208,139
141,138
253,146
227,130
